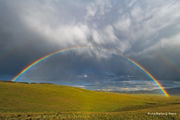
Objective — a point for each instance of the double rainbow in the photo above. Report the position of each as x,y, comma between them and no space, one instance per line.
65,49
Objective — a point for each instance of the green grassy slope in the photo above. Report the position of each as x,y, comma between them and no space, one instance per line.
21,97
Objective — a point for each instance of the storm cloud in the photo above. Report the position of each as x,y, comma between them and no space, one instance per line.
147,31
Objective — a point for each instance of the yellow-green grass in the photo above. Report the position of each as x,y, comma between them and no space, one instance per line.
173,113
20,100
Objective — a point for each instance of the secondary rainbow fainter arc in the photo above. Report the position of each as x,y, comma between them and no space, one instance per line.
74,47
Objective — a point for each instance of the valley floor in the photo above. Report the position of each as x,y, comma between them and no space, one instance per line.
171,112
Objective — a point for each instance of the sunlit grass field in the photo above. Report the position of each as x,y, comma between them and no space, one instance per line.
48,101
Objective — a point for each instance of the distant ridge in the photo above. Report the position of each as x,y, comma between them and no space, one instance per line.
174,91
171,91
25,82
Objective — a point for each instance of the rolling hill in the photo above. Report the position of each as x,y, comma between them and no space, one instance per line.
50,98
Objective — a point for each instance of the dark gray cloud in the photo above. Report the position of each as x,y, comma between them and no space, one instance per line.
88,70
140,29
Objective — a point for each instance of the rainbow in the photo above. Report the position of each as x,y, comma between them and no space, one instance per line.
169,62
40,60
150,75
75,47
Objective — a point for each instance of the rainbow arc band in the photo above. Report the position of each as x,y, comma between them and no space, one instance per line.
75,47
151,76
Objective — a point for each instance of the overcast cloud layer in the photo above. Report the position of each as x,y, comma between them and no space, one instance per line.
145,30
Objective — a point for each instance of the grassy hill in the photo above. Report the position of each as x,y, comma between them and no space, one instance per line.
49,98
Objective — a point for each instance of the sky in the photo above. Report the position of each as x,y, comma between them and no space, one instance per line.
148,31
